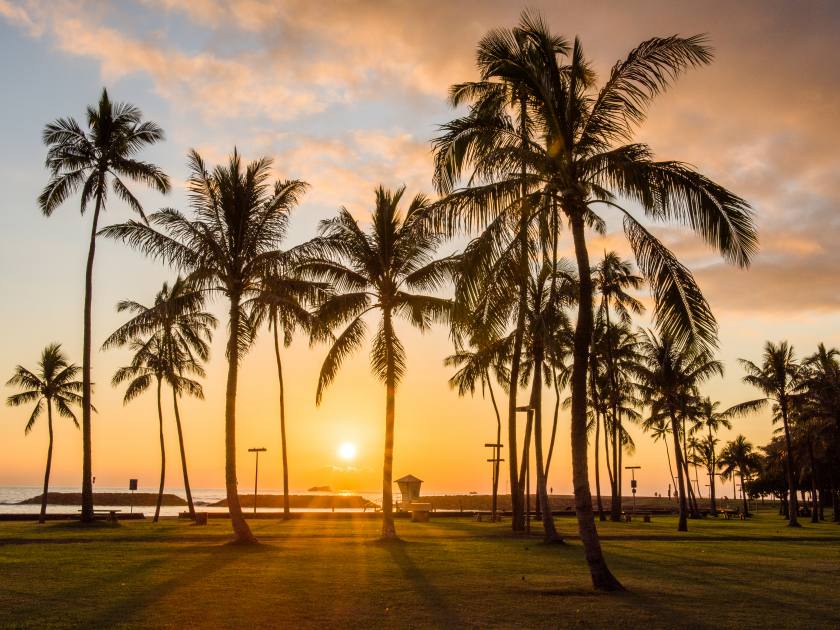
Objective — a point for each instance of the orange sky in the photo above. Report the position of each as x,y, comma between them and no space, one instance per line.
346,96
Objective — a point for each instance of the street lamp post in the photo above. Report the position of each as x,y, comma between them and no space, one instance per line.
256,451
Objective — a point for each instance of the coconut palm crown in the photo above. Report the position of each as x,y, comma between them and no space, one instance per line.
103,156
380,270
231,243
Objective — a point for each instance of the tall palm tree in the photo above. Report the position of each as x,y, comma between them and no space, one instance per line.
52,383
230,245
658,428
738,455
96,159
475,360
777,377
613,277
183,330
670,373
582,164
147,368
375,271
284,301
551,289
618,354
709,418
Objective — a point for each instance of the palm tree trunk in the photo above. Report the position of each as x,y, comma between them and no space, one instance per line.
87,456
670,469
240,526
620,471
162,453
692,501
549,529
712,498
602,578
286,510
554,422
187,490
615,500
712,474
526,453
744,493
389,532
601,515
815,506
615,504
697,481
555,235
43,516
517,500
496,452
793,508
675,429
598,419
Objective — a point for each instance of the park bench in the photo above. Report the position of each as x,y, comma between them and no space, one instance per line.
627,517
111,514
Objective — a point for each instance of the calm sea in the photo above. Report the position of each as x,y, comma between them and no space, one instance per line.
10,496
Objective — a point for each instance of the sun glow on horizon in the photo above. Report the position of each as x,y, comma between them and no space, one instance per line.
347,451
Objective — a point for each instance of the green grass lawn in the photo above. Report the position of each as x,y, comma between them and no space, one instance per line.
448,573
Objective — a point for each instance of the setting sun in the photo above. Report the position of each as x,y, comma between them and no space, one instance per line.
347,451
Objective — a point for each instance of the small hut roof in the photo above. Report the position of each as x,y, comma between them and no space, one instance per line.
409,479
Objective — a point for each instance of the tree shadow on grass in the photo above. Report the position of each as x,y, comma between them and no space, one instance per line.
140,598
437,605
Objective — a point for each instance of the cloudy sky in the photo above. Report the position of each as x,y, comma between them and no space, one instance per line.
346,95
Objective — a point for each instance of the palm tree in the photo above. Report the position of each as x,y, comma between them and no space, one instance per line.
738,455
551,289
374,272
230,245
820,389
657,426
613,277
183,330
669,374
283,301
618,353
708,417
148,367
95,159
474,360
579,164
52,383
777,378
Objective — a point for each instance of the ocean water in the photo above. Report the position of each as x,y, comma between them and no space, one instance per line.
10,496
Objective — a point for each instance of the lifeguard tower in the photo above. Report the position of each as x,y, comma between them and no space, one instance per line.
409,501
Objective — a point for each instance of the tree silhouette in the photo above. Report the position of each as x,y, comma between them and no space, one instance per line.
230,245
52,384
182,330
375,271
97,159
579,165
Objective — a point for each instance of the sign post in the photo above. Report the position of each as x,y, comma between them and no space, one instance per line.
496,460
633,470
257,452
132,486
